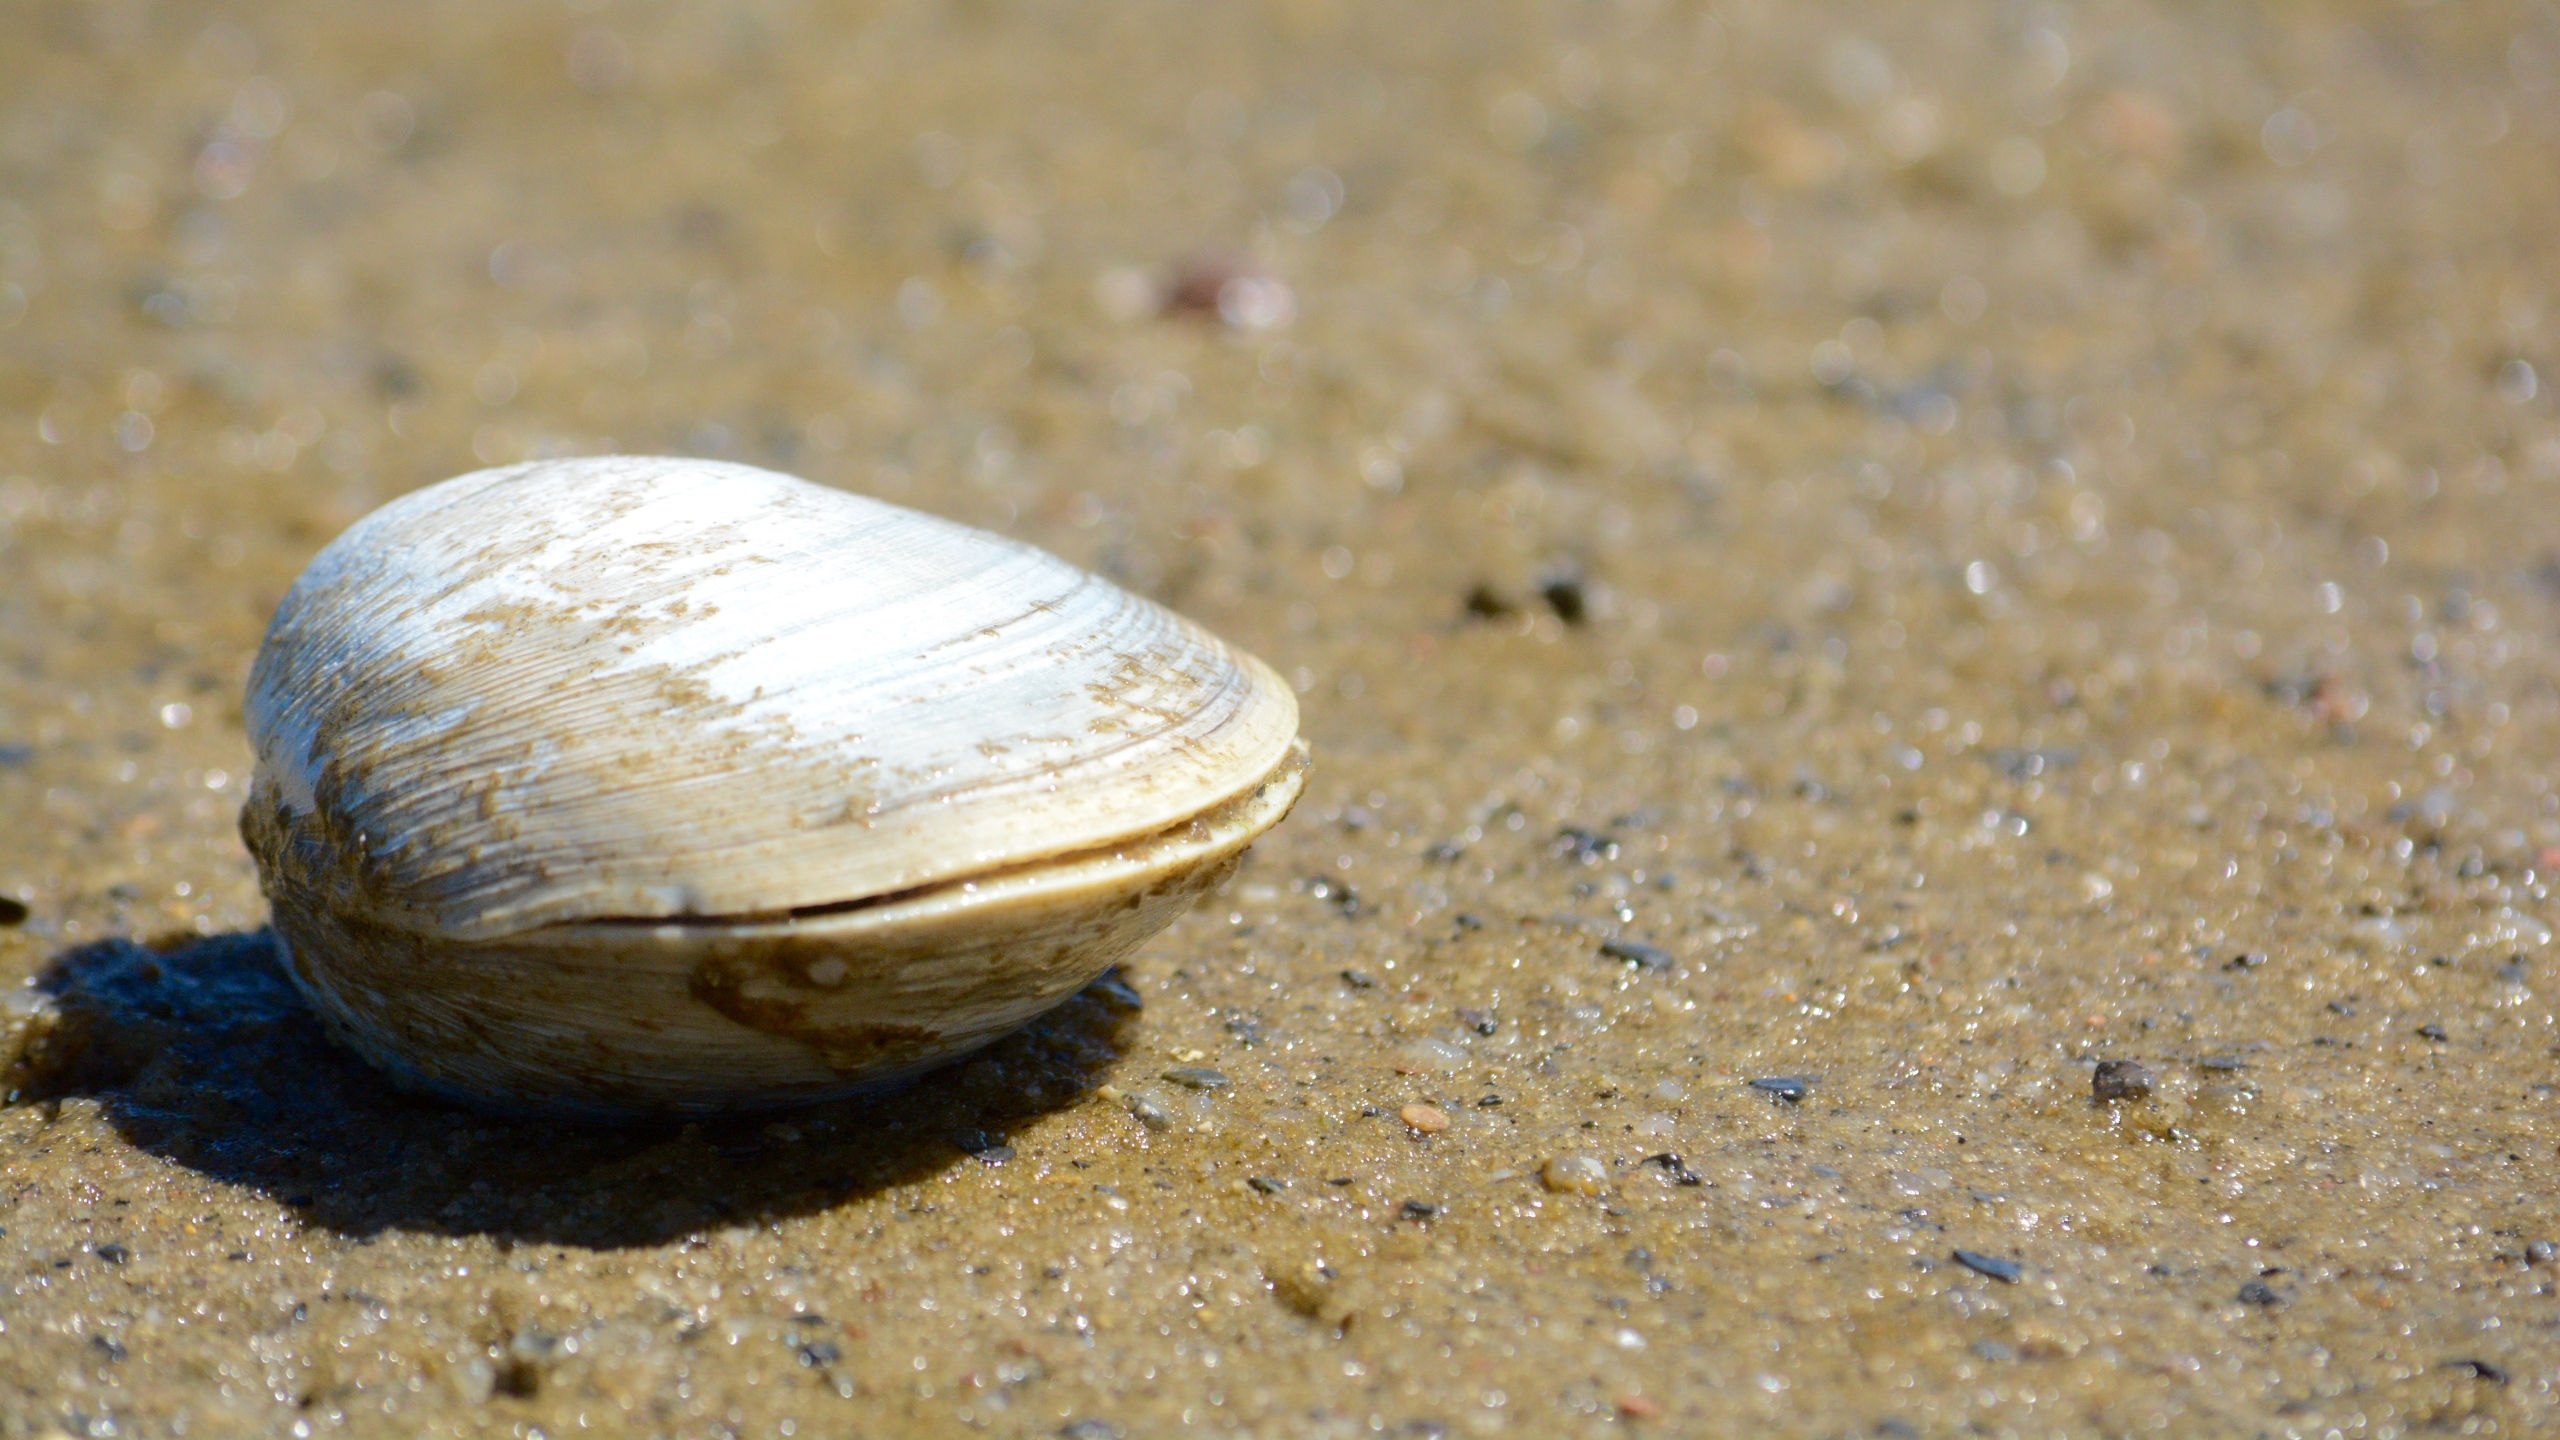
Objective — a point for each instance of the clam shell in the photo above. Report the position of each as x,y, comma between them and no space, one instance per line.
532,736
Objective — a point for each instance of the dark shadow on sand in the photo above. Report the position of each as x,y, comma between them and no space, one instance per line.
204,1053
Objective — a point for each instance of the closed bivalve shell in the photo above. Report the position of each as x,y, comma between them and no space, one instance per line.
611,786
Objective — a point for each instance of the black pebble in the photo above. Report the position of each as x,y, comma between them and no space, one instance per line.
2245,962
1116,992
12,912
2259,1292
1564,596
1267,1185
114,1254
1675,1168
1486,603
1641,956
2120,1080
2433,1032
2479,1370
2004,1271
1790,1088
1359,980
1478,1021
1335,893
1420,1209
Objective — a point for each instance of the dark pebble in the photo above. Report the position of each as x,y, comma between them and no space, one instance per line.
1420,1210
1478,1021
1675,1168
995,1154
114,1254
1335,893
1267,1185
108,1348
971,1142
1486,603
2245,962
1090,1430
12,912
1584,847
2541,1252
1197,1077
2478,1369
1468,920
1564,596
820,1352
1115,992
1489,1102
1636,953
1790,1088
2433,1032
2004,1271
2120,1080
1359,980
2259,1292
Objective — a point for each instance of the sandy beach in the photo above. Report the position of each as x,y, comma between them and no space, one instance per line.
1931,637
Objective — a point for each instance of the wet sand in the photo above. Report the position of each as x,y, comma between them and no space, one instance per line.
1907,553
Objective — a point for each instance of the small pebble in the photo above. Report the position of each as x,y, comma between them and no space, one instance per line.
2478,1370
1639,1407
1675,1169
2259,1292
1479,1021
1117,993
1671,1090
12,912
2120,1080
1428,1120
2541,1252
1420,1210
1790,1088
114,1254
2433,1032
1266,1185
1150,1111
1197,1077
1636,953
2004,1271
1575,1175
1359,980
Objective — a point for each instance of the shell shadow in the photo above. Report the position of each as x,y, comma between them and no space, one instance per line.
201,1051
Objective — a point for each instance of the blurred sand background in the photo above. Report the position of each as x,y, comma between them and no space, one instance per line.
1995,537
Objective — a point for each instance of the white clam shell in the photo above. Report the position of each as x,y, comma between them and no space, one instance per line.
612,785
